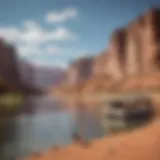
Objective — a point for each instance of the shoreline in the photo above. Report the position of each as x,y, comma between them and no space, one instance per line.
91,100
142,143
125,144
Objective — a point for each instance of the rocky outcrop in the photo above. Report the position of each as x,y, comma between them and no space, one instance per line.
150,41
133,52
80,71
116,55
143,44
11,68
8,66
99,63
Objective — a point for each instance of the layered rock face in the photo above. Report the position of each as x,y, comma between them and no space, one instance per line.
151,41
111,62
9,65
99,63
116,55
15,74
80,71
133,51
143,44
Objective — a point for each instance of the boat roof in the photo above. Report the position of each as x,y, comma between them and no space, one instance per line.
129,98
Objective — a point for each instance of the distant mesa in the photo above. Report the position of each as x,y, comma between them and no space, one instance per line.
79,71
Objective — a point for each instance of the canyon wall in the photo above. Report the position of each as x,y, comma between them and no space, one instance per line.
27,73
151,41
9,65
99,63
80,71
15,75
143,44
116,55
133,51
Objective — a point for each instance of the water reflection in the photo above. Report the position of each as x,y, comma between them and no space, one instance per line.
44,122
84,119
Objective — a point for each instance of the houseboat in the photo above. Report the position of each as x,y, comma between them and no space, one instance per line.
126,112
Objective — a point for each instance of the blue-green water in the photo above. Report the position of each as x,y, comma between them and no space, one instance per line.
43,123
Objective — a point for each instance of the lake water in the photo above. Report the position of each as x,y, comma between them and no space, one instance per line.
42,123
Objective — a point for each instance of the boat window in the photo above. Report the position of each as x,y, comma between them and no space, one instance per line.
117,104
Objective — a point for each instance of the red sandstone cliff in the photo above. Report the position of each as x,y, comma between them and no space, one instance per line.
99,63
133,53
150,42
116,55
80,71
134,50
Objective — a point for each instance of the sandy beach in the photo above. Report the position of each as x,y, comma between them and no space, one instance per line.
142,143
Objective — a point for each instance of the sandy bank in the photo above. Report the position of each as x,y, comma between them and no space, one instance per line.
93,101
140,144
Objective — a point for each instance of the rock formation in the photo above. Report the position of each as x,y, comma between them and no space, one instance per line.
150,41
116,55
9,65
133,52
27,72
80,71
99,64
12,79
142,44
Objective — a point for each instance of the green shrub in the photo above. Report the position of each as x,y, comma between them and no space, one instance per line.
11,100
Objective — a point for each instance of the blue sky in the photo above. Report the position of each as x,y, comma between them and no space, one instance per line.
54,32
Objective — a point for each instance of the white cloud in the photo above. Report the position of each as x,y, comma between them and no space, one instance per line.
62,16
54,63
31,25
33,40
39,35
53,50
61,63
82,54
29,49
26,50
34,34
10,34
61,34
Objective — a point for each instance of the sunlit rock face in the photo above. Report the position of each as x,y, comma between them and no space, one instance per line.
151,41
99,64
133,51
116,59
143,37
79,71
